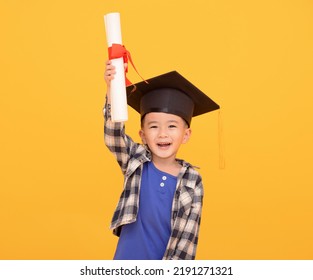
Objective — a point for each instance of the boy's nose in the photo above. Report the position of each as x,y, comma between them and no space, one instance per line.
162,133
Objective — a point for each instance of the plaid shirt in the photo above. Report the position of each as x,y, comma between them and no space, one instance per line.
187,202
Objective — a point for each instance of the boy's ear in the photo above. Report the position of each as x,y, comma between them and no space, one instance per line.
142,136
187,135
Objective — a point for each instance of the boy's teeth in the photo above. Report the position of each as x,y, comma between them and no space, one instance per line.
163,144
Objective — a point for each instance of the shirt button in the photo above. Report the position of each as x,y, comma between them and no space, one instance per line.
162,184
164,178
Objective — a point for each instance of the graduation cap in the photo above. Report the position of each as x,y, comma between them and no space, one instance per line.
169,93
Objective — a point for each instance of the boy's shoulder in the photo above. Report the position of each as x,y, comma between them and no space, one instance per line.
190,168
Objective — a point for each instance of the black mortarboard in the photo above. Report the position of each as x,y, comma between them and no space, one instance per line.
169,93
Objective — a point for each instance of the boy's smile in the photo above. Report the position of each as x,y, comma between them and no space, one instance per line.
164,145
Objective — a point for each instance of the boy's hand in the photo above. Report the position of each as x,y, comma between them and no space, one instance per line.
109,72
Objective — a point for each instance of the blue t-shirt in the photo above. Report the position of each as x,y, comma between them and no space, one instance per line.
147,237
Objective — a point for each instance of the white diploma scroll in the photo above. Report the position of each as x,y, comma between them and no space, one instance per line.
118,86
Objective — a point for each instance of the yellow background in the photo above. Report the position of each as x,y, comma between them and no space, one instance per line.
59,184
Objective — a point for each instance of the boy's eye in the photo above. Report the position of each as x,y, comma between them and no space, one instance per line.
153,126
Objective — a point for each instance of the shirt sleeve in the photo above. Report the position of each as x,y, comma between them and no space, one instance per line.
120,144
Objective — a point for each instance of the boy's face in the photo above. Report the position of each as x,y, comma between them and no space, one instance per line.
164,133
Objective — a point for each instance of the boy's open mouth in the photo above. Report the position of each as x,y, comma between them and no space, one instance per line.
164,144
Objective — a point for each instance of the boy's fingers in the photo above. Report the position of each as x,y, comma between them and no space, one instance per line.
110,67
109,72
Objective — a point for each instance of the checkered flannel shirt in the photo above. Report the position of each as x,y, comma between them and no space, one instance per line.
187,202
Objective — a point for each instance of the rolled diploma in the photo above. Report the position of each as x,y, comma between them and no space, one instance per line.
118,88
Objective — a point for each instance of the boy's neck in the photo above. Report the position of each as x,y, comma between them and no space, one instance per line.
170,166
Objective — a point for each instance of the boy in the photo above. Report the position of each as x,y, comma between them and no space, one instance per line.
158,214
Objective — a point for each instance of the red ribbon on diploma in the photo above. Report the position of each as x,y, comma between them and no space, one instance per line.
118,51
